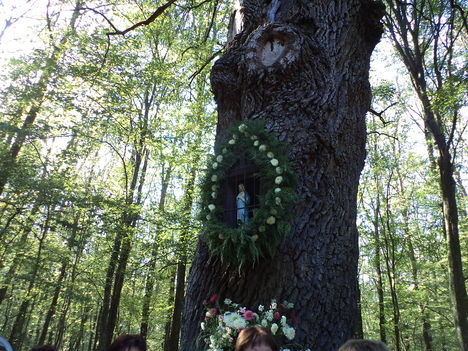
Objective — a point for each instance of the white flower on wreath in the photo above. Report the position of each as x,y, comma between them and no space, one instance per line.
264,323
274,328
224,150
273,305
289,332
214,187
279,180
256,143
242,128
278,200
234,136
211,207
261,308
202,325
208,217
271,220
213,194
214,178
277,190
214,165
253,137
279,170
232,142
254,237
269,315
283,321
227,301
274,162
270,154
219,158
262,147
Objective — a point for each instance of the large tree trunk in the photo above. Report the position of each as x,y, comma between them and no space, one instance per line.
313,91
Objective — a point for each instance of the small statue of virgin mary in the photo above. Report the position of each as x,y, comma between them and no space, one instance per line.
242,202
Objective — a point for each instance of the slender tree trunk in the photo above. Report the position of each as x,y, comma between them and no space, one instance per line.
313,92
149,286
17,332
411,46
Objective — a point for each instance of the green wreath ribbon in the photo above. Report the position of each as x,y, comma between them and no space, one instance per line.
270,223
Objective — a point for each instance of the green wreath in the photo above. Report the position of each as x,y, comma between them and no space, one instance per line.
269,225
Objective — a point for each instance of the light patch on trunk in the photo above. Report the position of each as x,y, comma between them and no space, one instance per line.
271,51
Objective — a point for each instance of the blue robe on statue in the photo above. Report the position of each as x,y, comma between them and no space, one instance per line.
242,211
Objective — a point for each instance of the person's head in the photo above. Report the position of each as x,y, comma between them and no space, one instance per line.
128,342
363,345
256,339
241,187
44,348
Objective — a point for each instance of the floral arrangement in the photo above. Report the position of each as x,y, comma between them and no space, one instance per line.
222,324
270,222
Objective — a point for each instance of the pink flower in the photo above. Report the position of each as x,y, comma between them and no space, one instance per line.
248,315
213,311
213,298
277,315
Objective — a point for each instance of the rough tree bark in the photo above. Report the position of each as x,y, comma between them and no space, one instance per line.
303,67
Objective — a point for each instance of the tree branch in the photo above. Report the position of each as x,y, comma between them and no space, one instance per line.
149,20
380,114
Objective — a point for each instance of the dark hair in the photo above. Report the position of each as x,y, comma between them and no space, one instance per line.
363,345
125,341
255,336
44,348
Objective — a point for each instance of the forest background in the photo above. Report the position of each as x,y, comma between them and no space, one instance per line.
104,138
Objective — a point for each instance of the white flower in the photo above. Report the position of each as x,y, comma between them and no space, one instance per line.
254,237
208,314
254,137
261,308
288,304
211,207
214,187
213,194
221,236
262,147
224,150
202,325
261,229
234,320
279,180
208,217
270,155
219,158
273,305
214,165
214,178
271,220
277,200
234,136
264,323
283,321
227,301
274,162
279,170
232,142
285,350
256,143
289,332
269,315
242,128
277,190
274,328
